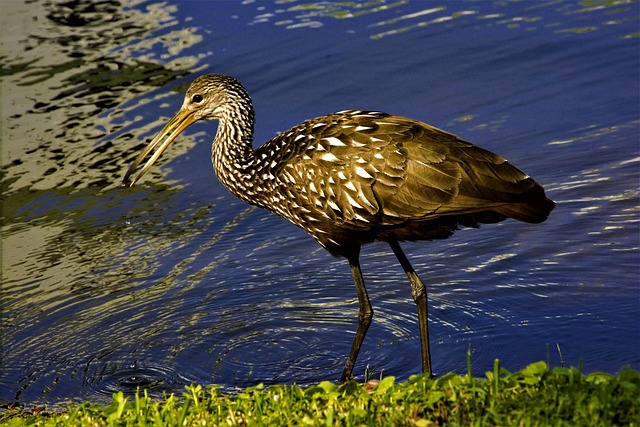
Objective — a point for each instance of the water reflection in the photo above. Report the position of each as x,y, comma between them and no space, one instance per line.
97,56
68,272
401,19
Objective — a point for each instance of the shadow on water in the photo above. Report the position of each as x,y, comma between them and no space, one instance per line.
175,282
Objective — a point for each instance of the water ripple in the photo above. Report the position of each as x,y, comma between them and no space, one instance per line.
130,379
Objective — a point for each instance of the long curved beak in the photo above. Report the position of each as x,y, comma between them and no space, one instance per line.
178,123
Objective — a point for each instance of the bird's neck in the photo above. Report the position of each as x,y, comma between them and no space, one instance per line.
232,154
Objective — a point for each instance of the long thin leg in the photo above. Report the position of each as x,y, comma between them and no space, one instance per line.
419,294
365,314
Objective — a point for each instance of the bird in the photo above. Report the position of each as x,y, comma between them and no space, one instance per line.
355,177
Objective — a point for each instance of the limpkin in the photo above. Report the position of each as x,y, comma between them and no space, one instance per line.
356,177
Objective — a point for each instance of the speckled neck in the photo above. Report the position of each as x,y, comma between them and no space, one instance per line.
232,153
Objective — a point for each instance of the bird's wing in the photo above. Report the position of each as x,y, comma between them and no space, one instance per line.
475,179
367,168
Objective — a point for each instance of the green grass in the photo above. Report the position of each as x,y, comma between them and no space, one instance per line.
534,396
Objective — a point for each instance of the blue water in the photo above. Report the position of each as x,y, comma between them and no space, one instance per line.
175,282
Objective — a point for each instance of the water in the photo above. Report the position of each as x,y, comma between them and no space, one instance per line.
175,281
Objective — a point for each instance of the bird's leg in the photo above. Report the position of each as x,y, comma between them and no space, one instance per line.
365,314
419,294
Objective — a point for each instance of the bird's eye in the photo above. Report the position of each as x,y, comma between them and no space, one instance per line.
197,98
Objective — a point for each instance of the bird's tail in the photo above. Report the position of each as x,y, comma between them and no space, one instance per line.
532,212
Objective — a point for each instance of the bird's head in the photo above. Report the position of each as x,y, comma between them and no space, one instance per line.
209,97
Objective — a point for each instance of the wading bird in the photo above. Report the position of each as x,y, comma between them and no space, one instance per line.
355,177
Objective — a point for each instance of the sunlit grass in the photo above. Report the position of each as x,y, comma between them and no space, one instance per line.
534,396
